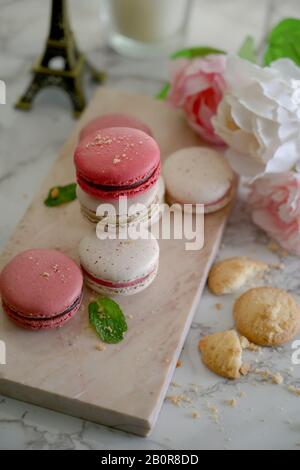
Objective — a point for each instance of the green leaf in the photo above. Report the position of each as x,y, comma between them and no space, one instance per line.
247,50
60,195
108,320
284,41
193,52
163,93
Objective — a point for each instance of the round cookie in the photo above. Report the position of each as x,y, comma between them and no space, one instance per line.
267,316
230,274
112,266
113,120
199,175
41,289
117,162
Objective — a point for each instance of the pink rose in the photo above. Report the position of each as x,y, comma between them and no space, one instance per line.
197,87
275,203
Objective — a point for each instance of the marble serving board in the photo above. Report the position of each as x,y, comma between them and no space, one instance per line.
124,385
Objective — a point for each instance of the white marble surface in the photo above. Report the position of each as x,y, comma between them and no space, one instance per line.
266,416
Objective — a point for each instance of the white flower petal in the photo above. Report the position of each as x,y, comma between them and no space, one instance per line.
243,164
286,69
241,73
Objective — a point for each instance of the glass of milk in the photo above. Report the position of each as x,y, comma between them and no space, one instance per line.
146,28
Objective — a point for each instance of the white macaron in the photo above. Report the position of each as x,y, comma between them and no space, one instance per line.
118,266
199,175
141,209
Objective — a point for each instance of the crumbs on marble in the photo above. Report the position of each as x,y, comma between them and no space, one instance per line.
178,364
275,248
294,390
195,415
175,385
269,376
214,412
178,400
219,306
101,347
245,369
232,403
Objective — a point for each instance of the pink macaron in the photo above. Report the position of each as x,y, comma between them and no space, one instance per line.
113,120
117,162
41,289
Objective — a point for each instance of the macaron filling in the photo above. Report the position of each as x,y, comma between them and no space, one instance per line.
107,188
117,285
207,204
30,317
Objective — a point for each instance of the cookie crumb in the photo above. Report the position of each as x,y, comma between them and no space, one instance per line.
219,306
54,193
275,248
178,364
245,369
269,376
244,342
45,275
254,348
294,390
177,400
214,412
100,347
232,403
195,415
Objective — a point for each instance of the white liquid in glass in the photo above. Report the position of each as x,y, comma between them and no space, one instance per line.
148,21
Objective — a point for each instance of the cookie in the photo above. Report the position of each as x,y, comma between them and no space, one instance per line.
222,354
231,274
267,316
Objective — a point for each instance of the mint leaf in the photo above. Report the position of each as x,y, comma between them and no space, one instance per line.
247,50
284,41
108,320
163,93
61,195
193,52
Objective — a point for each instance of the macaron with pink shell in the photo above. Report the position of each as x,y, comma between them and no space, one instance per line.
117,163
113,120
199,175
41,289
113,266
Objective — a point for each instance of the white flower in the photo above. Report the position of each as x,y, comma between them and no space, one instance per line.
259,116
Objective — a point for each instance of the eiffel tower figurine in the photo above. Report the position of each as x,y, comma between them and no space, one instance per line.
60,44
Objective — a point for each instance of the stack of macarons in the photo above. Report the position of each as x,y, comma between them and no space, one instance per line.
118,167
117,158
41,289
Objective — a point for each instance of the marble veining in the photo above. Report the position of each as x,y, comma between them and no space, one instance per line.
29,144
